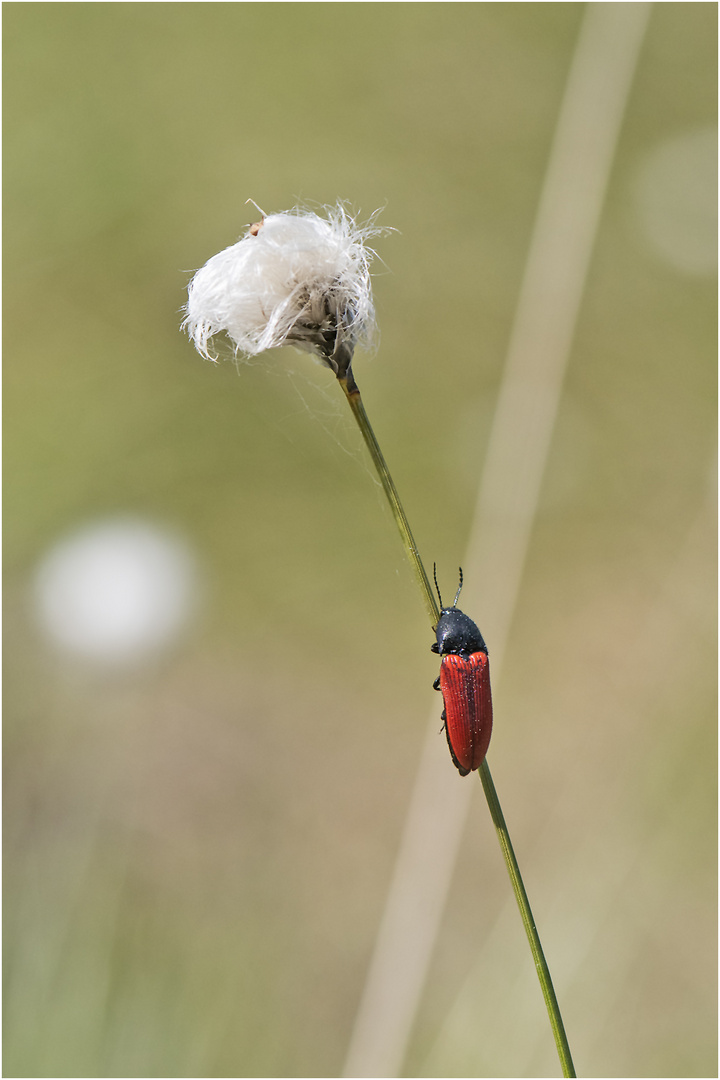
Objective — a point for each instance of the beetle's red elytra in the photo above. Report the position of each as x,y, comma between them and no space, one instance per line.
465,686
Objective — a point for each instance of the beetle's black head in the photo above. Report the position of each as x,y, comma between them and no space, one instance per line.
456,632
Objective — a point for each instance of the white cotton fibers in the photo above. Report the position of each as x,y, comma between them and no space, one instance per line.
295,278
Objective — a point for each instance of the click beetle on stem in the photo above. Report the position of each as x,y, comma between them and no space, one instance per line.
464,681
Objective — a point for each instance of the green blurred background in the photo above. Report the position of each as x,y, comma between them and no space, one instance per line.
198,846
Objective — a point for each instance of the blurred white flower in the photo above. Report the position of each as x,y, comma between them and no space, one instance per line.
116,591
676,200
294,279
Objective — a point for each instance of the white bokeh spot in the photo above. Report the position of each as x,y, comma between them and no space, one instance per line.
676,201
116,591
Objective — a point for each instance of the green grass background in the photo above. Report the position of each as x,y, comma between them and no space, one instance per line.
196,855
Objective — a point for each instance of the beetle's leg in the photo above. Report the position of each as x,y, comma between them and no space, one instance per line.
436,684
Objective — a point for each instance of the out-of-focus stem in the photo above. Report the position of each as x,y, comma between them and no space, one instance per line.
358,409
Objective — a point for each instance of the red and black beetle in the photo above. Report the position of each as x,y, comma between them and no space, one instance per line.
465,684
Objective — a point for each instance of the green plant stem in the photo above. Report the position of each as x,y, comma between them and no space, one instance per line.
526,914
358,409
356,404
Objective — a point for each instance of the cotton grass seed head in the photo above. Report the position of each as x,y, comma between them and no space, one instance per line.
295,278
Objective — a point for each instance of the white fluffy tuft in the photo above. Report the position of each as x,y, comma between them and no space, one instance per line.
298,279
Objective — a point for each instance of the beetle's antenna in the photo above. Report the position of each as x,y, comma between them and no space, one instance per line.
436,584
457,594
